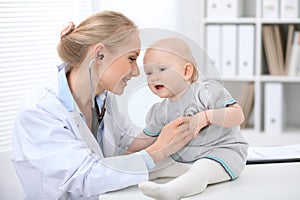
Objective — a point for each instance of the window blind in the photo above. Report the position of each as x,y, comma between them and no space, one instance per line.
29,33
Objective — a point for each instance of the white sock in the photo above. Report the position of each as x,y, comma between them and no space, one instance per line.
155,190
202,173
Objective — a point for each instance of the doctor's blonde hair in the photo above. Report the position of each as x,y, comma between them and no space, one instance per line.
179,48
107,27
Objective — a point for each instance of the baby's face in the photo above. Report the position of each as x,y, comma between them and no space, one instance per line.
165,74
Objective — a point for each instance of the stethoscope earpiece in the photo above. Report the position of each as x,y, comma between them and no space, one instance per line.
100,56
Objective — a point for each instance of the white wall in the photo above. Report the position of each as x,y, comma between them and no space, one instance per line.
193,12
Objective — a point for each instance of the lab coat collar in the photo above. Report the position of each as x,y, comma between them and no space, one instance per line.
66,98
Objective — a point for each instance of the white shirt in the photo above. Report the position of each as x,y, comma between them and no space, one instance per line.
57,157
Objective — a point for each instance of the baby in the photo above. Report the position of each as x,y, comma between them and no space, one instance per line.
218,151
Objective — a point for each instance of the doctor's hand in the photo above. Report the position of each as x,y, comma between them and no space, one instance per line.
172,138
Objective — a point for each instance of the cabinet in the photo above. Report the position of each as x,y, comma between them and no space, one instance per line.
250,14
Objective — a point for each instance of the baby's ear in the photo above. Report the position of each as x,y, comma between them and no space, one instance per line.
188,71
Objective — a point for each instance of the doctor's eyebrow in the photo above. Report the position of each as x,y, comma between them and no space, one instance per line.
137,52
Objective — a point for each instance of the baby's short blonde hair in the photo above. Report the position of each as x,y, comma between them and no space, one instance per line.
179,48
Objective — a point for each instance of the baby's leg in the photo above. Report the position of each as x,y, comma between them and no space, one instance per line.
169,168
202,173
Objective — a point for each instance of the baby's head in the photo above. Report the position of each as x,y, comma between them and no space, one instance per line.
170,67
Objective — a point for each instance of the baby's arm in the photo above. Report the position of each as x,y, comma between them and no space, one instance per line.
141,142
228,117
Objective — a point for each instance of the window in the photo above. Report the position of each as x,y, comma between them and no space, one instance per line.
29,33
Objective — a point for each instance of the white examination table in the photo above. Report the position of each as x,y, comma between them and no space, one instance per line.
278,178
277,181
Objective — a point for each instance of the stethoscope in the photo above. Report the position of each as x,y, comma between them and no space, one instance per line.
97,116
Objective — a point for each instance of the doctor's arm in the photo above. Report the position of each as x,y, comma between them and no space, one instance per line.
172,138
45,133
141,142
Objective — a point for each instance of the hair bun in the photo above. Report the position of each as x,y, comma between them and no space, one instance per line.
67,29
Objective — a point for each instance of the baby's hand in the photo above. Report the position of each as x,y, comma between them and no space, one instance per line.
194,125
197,122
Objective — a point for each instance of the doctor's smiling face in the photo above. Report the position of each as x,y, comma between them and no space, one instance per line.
120,64
167,74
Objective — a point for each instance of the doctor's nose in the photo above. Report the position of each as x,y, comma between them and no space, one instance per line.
135,71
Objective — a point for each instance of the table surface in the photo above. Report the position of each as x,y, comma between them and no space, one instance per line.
276,181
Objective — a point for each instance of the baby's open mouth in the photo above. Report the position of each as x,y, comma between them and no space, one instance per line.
159,87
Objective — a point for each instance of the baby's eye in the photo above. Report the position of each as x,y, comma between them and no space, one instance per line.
163,69
148,73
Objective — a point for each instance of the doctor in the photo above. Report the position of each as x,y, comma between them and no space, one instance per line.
69,140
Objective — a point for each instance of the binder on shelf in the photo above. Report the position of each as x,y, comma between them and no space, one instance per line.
273,108
289,9
231,8
213,46
229,50
279,48
216,9
270,9
246,50
246,102
269,50
213,9
289,46
273,48
293,67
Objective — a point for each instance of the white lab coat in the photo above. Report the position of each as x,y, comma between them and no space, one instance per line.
57,157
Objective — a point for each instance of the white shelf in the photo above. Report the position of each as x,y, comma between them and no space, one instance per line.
291,132
236,78
239,78
280,21
245,20
283,79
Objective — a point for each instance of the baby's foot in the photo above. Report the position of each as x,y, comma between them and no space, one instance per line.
157,191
